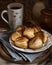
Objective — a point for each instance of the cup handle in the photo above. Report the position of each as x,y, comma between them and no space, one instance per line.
4,11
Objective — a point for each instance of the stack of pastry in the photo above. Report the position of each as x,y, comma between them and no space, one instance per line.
29,37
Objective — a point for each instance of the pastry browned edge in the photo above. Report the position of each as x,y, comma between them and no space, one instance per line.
29,37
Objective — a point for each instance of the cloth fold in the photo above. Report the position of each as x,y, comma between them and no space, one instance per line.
16,55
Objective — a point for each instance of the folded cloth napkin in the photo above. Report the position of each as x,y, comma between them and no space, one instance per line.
16,55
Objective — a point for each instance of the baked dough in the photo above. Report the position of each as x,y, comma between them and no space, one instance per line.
36,29
29,32
21,42
40,34
20,28
36,43
45,38
15,35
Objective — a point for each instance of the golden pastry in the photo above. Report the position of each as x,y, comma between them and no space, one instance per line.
40,34
37,29
15,35
36,43
45,38
21,42
29,32
20,28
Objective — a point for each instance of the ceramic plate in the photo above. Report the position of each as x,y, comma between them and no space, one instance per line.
45,47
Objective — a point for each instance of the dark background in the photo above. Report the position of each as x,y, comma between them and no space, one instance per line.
28,4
